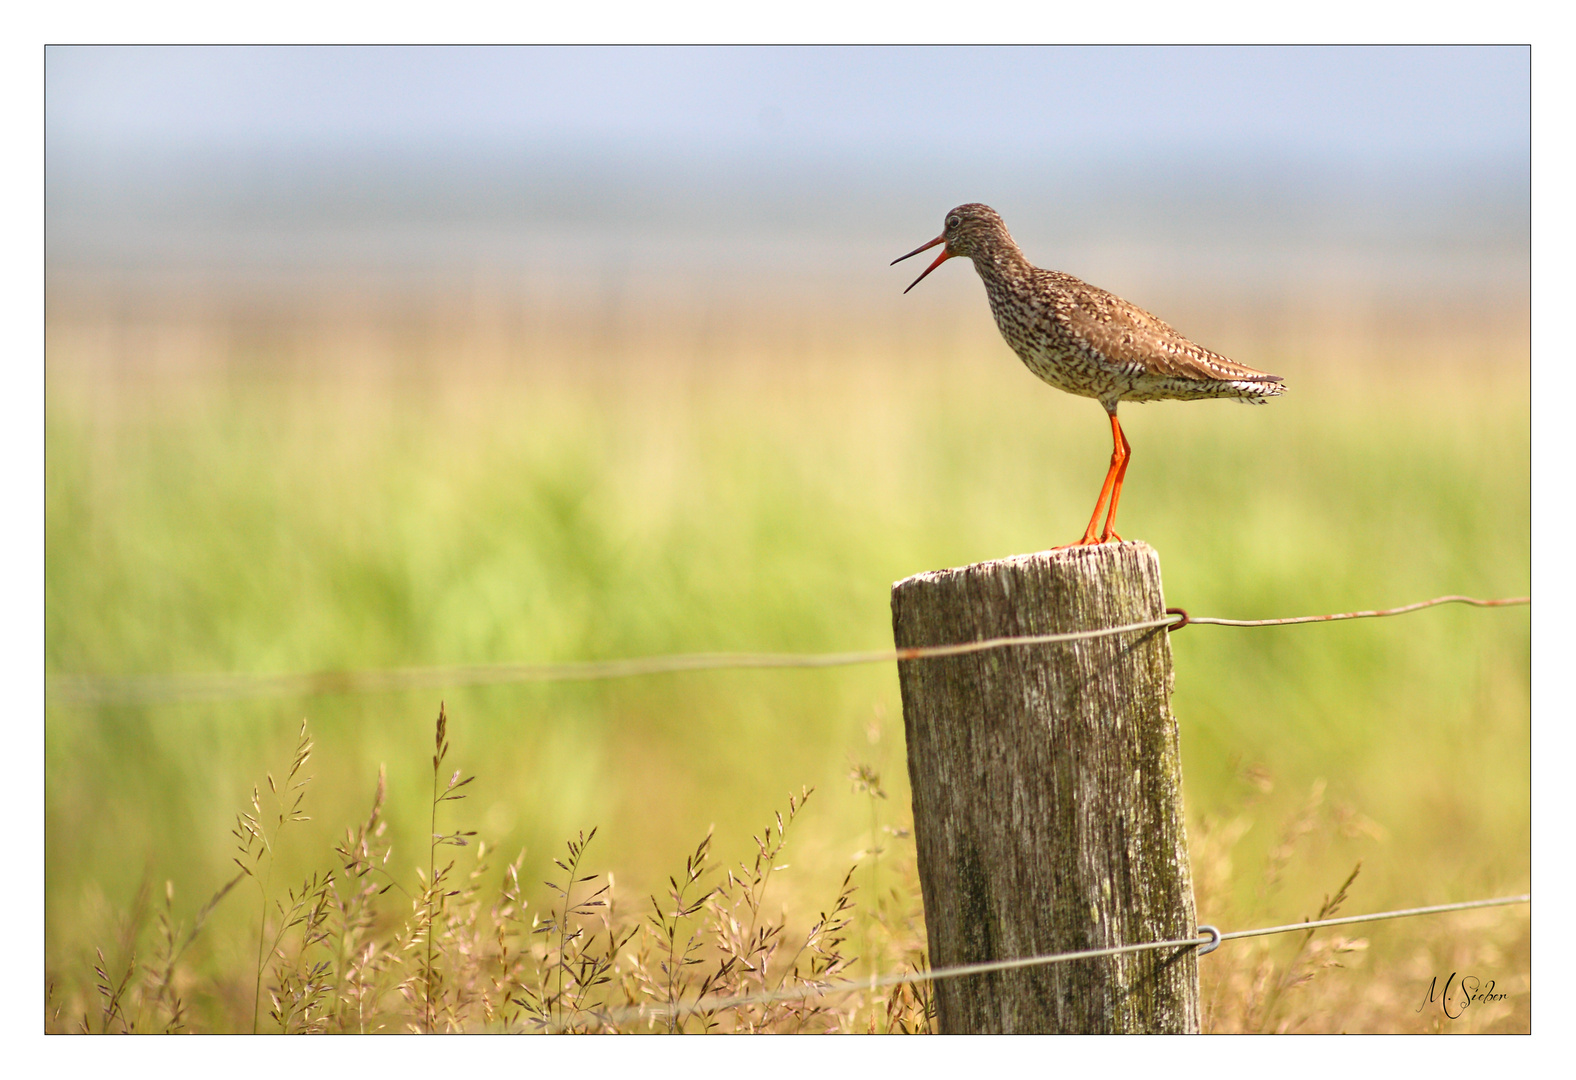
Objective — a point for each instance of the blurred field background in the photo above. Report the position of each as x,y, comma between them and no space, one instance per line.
427,397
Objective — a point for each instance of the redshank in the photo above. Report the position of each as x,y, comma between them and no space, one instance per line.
1086,341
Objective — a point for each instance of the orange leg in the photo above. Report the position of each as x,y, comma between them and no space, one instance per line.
1111,489
1116,491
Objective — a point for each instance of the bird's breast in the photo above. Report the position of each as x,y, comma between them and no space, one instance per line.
1029,326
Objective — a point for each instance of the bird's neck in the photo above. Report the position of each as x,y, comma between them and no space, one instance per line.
1002,262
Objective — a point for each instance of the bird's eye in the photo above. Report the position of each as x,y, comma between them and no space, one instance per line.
954,221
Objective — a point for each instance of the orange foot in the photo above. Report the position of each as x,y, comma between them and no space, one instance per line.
1088,540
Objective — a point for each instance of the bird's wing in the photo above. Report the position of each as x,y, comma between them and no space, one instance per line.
1128,335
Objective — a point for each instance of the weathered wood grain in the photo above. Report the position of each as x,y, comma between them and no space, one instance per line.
1047,787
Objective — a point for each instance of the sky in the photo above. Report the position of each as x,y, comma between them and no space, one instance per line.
1341,105
409,156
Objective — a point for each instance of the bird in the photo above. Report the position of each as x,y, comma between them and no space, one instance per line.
1086,341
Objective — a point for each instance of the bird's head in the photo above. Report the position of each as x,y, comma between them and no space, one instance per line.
969,230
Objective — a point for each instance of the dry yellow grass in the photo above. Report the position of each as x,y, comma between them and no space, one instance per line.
459,947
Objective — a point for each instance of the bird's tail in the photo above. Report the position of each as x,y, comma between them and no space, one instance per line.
1258,390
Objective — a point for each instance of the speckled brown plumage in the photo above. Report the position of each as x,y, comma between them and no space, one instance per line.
1086,341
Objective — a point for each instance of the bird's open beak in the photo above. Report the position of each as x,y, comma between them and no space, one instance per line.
943,257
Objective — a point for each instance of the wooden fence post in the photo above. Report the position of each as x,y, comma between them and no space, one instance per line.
1047,786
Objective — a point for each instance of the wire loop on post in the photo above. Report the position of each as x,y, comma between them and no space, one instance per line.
1214,939
1177,625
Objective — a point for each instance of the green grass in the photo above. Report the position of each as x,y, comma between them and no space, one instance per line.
291,507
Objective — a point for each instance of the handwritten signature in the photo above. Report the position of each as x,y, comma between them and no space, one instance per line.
1459,994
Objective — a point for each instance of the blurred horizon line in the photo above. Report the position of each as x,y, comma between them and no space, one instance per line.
402,223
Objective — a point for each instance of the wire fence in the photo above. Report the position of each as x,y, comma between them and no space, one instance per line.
99,690
148,689
1207,941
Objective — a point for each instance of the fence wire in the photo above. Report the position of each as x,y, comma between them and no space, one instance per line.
718,1003
138,689
147,689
